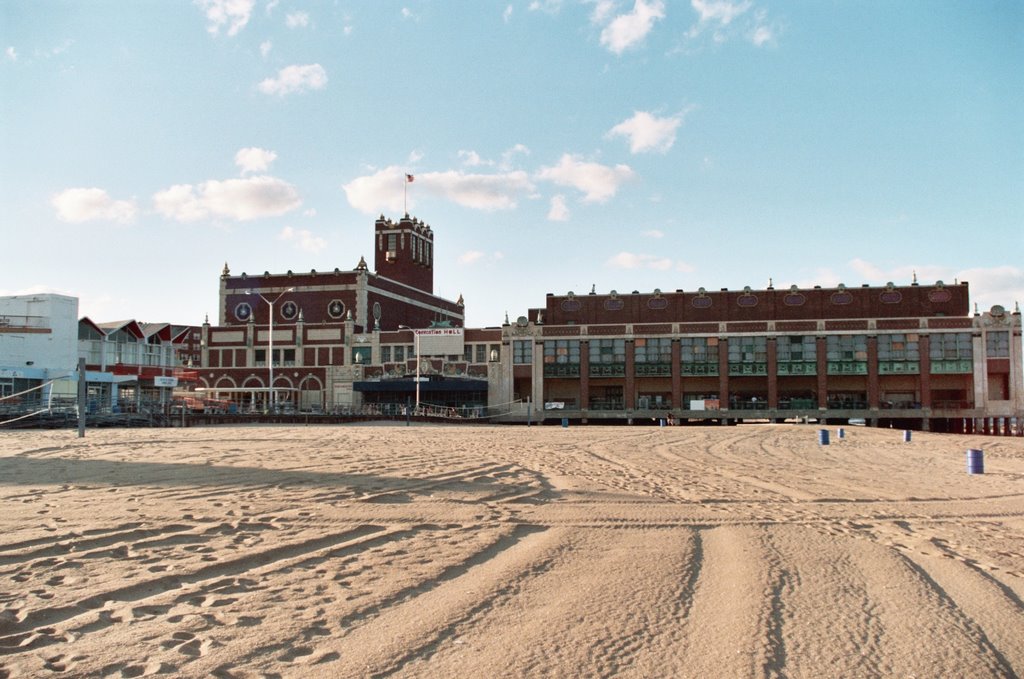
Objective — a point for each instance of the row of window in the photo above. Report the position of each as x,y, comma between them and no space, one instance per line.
795,349
420,248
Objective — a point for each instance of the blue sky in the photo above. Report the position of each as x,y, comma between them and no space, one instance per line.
556,145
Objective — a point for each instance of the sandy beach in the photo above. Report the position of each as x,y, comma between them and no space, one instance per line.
377,551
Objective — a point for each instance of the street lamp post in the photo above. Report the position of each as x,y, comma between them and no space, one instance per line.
416,346
270,359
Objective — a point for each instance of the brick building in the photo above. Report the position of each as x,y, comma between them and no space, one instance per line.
335,331
911,356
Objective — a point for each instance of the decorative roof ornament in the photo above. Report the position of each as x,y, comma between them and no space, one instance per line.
361,266
226,271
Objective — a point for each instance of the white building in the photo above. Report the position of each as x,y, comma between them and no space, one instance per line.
38,342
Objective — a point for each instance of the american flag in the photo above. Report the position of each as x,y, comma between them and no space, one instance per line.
409,178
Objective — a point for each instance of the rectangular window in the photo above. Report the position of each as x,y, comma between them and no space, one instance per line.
797,355
748,355
522,352
951,352
562,351
997,344
898,354
655,350
607,358
653,357
399,354
385,354
562,358
610,351
698,355
847,354
467,354
481,353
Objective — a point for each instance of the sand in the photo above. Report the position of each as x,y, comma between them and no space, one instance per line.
365,551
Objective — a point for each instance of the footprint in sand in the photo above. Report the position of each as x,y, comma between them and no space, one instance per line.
292,654
57,664
248,621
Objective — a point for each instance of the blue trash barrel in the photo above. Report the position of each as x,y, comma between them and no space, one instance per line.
840,433
975,461
823,437
565,422
906,436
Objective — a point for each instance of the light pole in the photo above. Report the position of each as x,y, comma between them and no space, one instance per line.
416,348
273,394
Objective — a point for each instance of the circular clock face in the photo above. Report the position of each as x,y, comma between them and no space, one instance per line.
336,308
376,311
289,310
243,311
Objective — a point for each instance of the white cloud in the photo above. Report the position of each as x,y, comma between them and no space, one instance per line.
254,159
597,182
265,48
721,12
1001,284
303,239
295,79
629,260
383,190
477,191
239,199
181,203
506,16
408,14
232,13
309,212
297,20
630,29
603,10
647,132
272,5
83,205
546,6
11,53
559,212
508,156
762,35
654,233
472,159
473,256
722,19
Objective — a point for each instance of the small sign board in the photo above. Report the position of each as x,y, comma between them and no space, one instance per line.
160,381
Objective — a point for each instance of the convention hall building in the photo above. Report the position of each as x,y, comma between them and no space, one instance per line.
912,356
